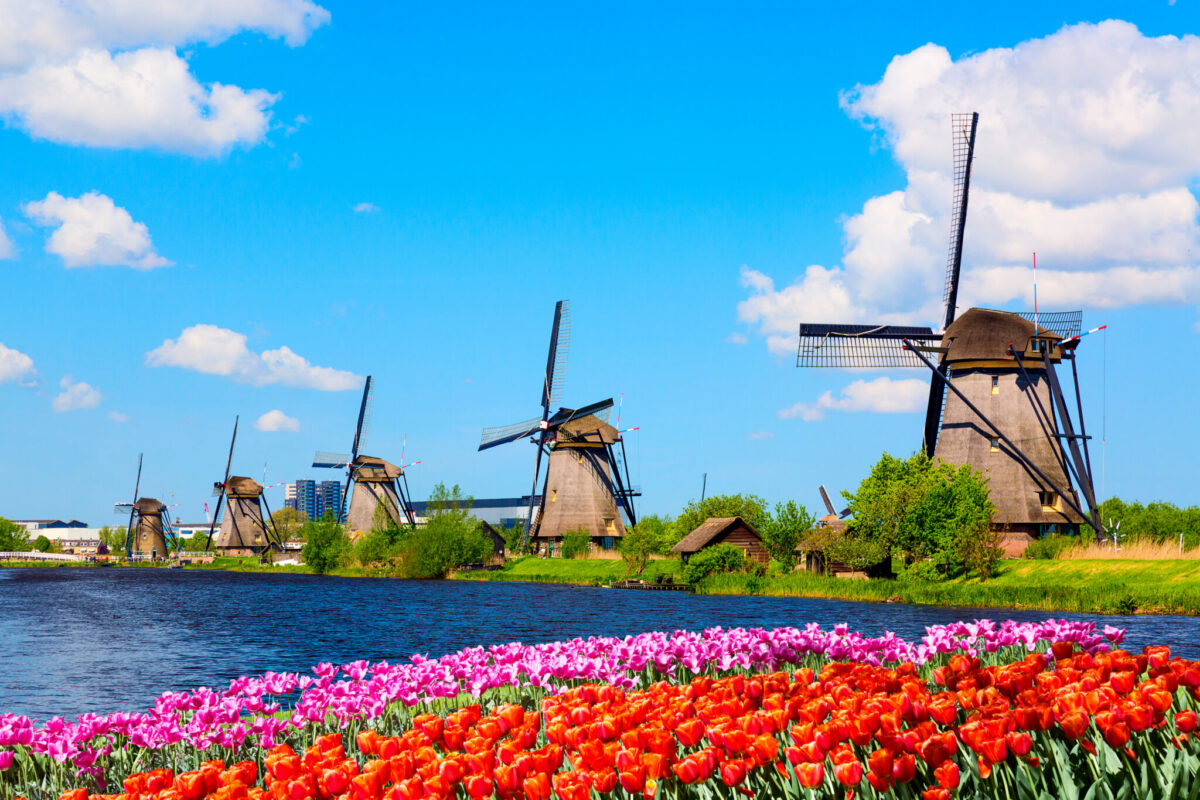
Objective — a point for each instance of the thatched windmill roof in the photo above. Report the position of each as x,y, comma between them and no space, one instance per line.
148,506
588,428
983,334
241,486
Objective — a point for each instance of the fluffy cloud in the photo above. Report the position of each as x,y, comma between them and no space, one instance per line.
117,416
882,395
16,367
106,73
758,436
276,420
220,351
75,396
93,231
1080,157
365,208
144,98
6,246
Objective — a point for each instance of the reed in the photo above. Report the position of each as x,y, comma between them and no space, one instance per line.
1134,551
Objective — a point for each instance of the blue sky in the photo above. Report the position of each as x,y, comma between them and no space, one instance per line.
404,191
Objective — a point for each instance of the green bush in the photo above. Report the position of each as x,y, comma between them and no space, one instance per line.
326,545
13,538
450,538
375,548
651,536
576,543
1050,547
716,560
42,544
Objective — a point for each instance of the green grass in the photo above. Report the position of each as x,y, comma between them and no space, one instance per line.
586,571
1102,586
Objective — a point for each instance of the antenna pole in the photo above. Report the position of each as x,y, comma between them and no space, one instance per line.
1035,314
703,486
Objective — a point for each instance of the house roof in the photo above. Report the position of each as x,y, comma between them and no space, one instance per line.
710,529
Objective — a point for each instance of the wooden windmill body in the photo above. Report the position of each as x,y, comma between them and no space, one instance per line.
981,367
584,489
149,539
244,530
996,402
376,481
579,494
375,485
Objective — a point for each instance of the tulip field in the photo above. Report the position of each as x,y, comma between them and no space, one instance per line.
981,709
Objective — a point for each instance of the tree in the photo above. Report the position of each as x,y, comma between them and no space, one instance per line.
113,538
326,545
450,537
289,522
42,544
651,536
784,530
13,538
751,508
514,539
936,515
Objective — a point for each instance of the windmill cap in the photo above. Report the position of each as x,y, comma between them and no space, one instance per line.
148,506
588,428
984,334
371,468
241,486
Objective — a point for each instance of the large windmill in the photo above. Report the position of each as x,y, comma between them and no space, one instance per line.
149,529
376,482
244,531
995,398
584,486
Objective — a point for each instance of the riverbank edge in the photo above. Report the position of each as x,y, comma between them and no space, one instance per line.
1098,587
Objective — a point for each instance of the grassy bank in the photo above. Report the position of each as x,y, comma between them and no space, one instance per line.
1102,586
586,571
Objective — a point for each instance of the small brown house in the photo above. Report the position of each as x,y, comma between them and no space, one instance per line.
498,543
718,530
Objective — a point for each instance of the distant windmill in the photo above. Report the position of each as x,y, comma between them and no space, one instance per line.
149,527
834,517
244,531
995,399
584,487
376,482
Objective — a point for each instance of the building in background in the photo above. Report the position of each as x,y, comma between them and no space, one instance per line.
313,498
32,525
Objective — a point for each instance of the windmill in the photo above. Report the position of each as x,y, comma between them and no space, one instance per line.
833,518
584,486
244,530
995,398
376,481
149,528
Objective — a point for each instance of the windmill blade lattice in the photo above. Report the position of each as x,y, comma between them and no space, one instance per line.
560,347
859,346
502,434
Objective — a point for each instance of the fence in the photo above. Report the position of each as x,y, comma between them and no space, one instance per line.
35,555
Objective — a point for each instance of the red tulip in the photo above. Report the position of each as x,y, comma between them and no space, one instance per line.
947,775
1185,721
810,775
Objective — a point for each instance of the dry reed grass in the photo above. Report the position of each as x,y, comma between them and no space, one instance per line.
1133,551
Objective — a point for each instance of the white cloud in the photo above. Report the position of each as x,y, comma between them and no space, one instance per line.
106,73
737,338
220,351
6,246
94,231
365,208
117,416
1080,157
881,395
276,420
75,396
16,367
757,436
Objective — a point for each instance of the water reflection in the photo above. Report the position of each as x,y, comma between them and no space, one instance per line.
92,640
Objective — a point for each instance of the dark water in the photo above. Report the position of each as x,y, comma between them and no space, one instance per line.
103,640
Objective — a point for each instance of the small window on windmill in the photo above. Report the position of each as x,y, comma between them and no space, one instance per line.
554,495
995,444
995,384
1050,501
610,525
